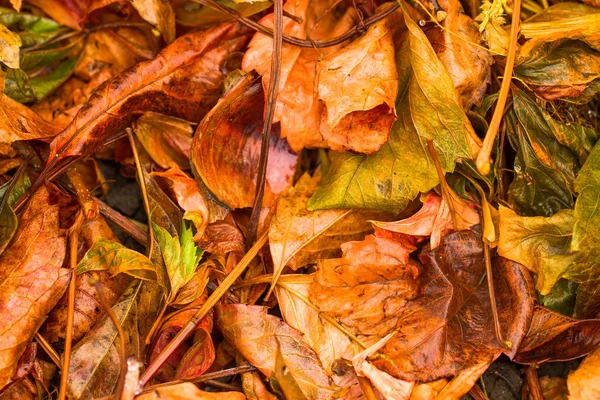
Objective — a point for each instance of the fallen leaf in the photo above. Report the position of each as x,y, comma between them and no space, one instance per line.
192,14
427,110
396,294
583,382
116,102
358,78
222,237
298,109
116,259
188,391
542,244
37,249
258,336
554,388
227,143
19,122
168,140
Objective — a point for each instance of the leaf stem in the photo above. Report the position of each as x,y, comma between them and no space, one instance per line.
483,160
490,282
204,310
533,383
261,178
142,178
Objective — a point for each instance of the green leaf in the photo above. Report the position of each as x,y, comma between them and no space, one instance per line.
31,28
561,298
8,219
388,179
181,256
23,89
586,236
544,168
116,259
542,244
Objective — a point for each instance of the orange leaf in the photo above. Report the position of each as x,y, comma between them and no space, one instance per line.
37,250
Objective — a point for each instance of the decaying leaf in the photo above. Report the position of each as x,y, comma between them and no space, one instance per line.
188,391
227,143
37,249
395,174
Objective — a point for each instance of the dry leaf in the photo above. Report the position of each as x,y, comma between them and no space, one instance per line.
187,391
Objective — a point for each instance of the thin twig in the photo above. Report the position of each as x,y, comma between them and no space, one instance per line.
533,383
73,245
221,385
122,343
48,349
268,124
483,160
297,41
133,230
204,310
490,282
142,179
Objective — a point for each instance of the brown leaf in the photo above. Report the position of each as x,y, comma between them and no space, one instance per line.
187,391
168,140
70,12
227,144
298,108
164,84
361,77
557,337
258,336
374,290
459,48
583,383
19,122
222,237
554,388
37,250
158,13
89,309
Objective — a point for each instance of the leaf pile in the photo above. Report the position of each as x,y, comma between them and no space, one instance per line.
303,199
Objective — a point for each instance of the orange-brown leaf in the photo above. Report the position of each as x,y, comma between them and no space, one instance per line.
188,391
19,122
31,279
165,84
227,144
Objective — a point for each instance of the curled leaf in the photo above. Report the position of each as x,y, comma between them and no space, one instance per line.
227,143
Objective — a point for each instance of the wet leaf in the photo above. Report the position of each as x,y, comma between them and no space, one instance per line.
116,259
188,391
557,337
258,336
153,85
37,249
402,167
542,244
227,143
561,298
545,169
18,122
